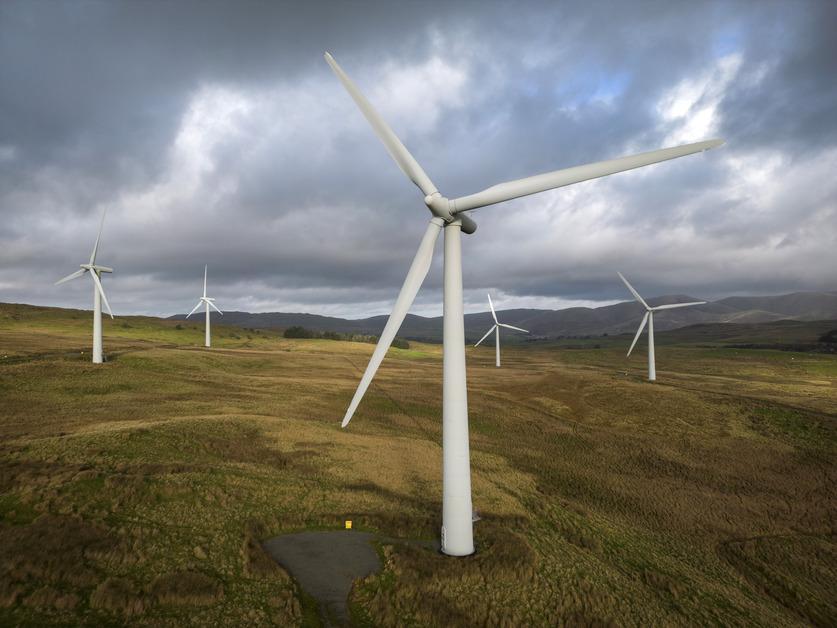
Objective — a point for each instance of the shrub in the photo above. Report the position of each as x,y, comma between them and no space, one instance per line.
297,331
829,337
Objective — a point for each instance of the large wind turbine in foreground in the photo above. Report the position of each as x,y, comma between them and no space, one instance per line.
448,214
98,292
649,318
496,327
208,302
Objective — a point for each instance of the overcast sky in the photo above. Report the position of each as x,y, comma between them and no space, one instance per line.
215,133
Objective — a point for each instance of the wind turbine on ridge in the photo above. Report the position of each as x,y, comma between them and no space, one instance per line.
496,327
649,318
208,302
449,214
98,292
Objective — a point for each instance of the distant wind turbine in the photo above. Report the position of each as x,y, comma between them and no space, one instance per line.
208,302
98,292
649,318
496,327
450,215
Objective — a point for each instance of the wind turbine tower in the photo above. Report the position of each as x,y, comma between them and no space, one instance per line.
450,215
208,302
98,292
496,329
649,318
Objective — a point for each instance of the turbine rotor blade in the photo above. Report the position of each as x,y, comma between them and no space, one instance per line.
639,331
633,292
396,149
98,235
78,273
101,290
212,305
525,331
493,313
412,283
672,306
487,334
559,178
204,281
194,309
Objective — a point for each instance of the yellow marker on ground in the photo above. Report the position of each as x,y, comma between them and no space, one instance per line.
348,524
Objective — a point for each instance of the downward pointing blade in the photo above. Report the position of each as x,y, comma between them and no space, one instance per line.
78,273
671,306
633,292
212,305
412,283
559,178
194,309
638,332
487,334
493,313
396,149
98,235
101,290
525,331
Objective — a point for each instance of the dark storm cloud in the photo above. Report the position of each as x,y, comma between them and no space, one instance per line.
215,133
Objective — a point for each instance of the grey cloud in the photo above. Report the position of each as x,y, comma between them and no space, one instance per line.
300,205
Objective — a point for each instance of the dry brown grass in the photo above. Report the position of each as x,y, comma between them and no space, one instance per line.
138,492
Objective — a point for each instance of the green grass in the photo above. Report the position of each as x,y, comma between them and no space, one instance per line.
705,498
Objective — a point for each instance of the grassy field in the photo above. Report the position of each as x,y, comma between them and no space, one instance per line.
137,491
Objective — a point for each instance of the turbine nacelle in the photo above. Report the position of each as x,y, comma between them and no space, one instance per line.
99,269
441,207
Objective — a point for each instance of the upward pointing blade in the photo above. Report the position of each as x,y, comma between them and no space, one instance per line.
99,235
487,334
412,283
493,313
634,292
639,331
101,290
204,281
396,149
671,306
78,273
559,178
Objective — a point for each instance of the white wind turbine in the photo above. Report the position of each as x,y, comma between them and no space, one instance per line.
457,514
649,318
208,302
496,327
98,292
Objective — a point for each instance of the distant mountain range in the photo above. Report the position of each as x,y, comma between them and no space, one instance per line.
575,321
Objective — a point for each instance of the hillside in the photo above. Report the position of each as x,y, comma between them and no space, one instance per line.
140,491
577,321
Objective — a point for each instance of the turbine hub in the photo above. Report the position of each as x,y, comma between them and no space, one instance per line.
440,207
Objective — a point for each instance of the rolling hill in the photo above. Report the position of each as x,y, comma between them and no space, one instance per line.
577,321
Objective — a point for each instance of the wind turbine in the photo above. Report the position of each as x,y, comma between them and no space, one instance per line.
649,318
98,292
496,327
208,302
449,214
